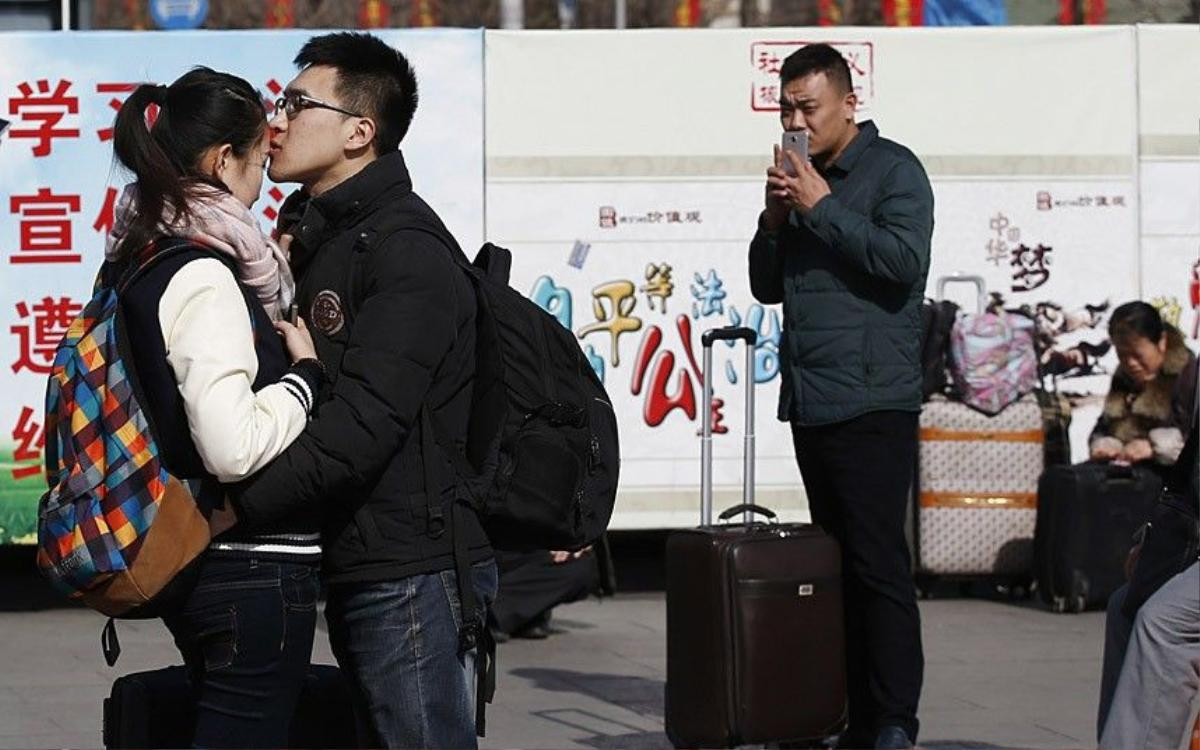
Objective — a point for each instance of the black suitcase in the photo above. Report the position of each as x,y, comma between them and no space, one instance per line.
155,709
1087,515
755,645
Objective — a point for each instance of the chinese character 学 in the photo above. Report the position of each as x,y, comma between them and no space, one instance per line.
44,110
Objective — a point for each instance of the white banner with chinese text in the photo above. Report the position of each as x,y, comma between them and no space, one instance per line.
632,201
58,182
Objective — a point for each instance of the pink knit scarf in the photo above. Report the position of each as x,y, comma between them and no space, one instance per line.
220,221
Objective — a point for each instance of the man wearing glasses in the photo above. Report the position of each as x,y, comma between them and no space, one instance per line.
393,320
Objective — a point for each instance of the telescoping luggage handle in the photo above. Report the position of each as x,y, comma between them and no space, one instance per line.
729,333
981,300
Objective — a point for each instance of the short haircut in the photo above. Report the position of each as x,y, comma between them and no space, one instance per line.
1136,320
817,58
372,79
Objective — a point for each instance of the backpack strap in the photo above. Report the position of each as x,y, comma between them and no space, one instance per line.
164,248
433,485
473,632
495,262
370,238
111,276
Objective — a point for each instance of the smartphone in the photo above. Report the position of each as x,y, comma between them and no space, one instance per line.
293,313
795,141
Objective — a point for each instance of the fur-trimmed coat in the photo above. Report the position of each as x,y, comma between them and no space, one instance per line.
1158,412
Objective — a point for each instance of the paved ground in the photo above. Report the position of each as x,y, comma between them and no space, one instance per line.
998,675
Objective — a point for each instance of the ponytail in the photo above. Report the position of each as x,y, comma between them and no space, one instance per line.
202,109
160,180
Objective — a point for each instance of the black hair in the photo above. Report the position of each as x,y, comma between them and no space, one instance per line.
817,58
373,79
1136,319
202,109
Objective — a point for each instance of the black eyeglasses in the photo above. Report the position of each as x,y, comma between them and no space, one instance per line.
294,103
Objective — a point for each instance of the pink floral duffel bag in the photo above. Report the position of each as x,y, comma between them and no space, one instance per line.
993,359
992,356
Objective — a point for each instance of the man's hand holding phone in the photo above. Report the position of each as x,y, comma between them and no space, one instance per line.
801,191
776,211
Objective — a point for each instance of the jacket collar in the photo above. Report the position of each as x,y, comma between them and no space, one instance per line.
867,135
1154,400
385,178
387,175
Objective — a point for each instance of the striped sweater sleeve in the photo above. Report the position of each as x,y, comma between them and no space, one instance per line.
210,348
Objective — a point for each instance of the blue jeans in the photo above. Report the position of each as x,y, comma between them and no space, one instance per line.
397,641
246,634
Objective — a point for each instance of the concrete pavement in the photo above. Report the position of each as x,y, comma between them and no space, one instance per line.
998,675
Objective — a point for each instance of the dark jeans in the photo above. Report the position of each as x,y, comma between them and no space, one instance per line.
246,634
397,641
858,474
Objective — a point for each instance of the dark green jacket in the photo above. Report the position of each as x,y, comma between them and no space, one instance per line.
851,276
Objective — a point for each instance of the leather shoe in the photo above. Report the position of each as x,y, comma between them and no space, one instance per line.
854,739
535,632
892,738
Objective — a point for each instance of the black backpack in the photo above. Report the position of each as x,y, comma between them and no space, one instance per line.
542,455
937,320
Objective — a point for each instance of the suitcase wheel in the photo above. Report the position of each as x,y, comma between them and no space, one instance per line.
1074,604
1016,592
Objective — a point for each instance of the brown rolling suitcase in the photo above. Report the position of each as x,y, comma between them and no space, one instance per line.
755,645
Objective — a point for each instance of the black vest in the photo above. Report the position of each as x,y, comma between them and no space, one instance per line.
159,393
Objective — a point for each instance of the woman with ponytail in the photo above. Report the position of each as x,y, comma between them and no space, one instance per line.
225,394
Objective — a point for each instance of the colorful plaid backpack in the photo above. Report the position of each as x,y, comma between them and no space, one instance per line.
115,528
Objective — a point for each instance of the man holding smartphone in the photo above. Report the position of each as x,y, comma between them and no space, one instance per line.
844,243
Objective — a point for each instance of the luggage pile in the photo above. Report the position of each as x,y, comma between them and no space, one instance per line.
997,498
982,443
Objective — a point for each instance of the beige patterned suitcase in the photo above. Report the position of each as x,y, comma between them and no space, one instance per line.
977,489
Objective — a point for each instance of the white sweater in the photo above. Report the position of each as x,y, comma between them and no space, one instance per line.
210,348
